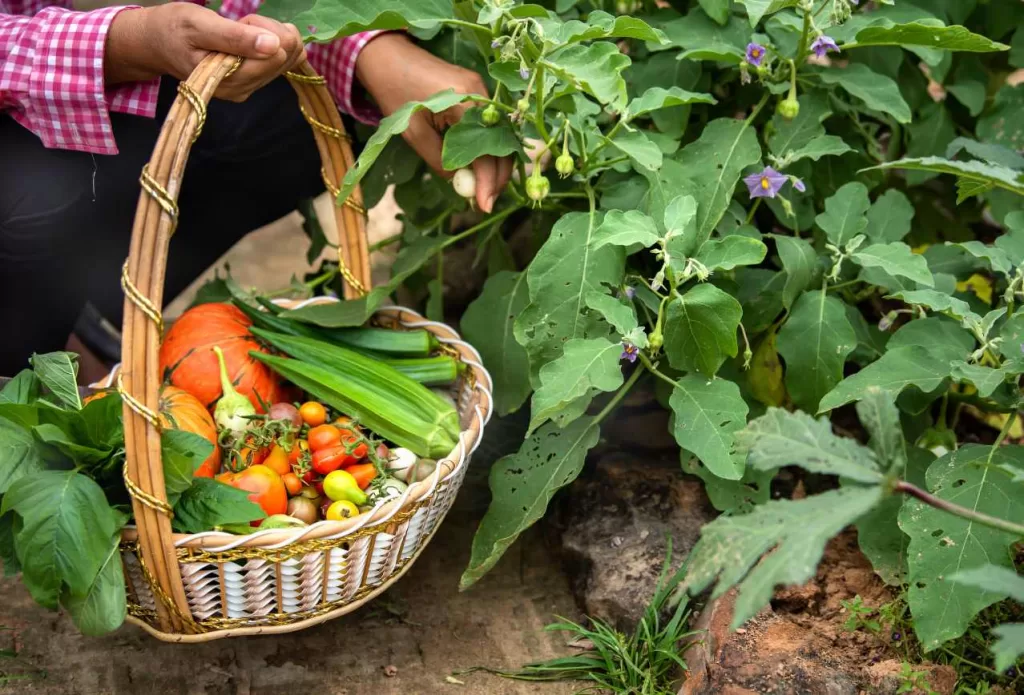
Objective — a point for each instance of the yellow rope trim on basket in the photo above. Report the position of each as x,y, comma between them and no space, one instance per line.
351,279
142,496
323,127
158,591
160,194
305,79
140,300
196,101
234,66
334,191
137,405
293,550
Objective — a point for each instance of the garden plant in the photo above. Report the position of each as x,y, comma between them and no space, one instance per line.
801,222
789,214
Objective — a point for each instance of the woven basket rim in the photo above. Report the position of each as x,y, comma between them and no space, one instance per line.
448,466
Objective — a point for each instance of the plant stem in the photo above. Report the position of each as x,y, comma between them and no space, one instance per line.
493,219
804,35
955,509
538,120
468,25
384,243
753,209
619,395
1010,419
757,110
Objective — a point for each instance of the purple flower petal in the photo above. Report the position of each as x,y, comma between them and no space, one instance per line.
823,44
496,43
799,185
755,54
630,292
629,351
524,73
765,184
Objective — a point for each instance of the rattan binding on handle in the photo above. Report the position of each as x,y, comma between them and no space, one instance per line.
156,218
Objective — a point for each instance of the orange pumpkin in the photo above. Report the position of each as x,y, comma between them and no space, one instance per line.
188,361
180,410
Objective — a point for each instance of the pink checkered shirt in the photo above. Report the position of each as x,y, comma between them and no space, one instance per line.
51,72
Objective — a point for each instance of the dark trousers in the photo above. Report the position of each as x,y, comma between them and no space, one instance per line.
66,217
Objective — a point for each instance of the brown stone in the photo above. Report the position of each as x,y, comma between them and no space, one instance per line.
614,522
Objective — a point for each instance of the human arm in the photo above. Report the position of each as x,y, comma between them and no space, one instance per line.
62,72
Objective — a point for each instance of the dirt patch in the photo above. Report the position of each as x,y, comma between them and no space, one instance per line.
798,645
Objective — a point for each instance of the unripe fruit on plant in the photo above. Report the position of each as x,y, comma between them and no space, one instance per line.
464,183
490,116
564,164
523,105
789,108
537,188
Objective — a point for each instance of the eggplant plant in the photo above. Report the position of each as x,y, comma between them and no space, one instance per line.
780,212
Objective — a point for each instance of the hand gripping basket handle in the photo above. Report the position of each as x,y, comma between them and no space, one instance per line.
142,280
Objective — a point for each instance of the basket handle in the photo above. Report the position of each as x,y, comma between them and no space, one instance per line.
142,279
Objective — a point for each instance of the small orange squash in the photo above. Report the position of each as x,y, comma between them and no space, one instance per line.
180,410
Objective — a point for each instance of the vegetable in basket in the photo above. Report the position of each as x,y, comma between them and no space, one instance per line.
188,361
233,410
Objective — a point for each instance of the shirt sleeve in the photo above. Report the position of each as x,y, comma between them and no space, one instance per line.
51,78
336,61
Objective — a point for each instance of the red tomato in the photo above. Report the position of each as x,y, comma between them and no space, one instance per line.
313,413
323,437
266,486
331,459
363,473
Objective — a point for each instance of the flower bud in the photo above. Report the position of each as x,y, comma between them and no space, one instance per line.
564,164
490,116
789,108
537,188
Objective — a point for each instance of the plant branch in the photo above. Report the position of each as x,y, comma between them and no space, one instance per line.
619,395
956,510
493,219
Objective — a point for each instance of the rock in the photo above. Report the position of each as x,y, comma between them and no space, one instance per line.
613,523
798,645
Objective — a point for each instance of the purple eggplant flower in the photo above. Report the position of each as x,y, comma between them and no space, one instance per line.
798,184
524,73
629,351
823,44
765,184
755,54
496,43
630,292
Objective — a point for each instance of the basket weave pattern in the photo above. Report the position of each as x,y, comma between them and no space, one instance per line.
199,587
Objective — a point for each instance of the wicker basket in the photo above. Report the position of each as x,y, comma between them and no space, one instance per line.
195,588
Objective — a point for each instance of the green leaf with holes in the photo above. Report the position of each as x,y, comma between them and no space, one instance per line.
942,544
522,485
